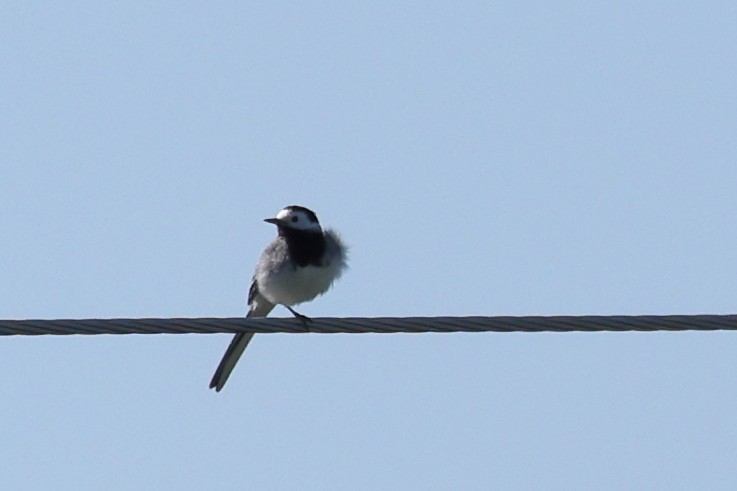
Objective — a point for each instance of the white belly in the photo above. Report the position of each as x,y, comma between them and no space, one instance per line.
291,286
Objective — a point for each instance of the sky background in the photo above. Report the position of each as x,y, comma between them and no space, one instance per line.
480,158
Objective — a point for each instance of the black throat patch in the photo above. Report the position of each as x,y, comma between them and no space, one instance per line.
305,248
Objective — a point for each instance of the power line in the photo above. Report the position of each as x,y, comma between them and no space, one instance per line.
585,323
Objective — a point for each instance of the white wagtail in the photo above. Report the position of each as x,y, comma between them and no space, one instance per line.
300,264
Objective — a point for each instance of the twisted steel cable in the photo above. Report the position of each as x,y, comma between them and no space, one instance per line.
583,323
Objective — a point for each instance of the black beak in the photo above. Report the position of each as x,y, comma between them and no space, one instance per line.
275,221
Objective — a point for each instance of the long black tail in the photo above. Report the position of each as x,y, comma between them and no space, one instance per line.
230,358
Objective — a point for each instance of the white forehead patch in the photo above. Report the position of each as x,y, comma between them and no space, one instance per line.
282,215
297,219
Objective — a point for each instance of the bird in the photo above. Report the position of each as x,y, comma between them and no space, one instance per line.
301,263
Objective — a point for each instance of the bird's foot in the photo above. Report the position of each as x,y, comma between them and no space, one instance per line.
306,321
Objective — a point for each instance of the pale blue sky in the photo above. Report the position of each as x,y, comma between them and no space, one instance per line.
480,159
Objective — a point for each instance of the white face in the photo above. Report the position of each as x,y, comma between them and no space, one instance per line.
298,220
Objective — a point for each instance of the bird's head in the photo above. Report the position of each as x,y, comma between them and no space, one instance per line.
296,218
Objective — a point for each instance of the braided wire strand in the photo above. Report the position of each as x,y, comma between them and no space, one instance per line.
355,325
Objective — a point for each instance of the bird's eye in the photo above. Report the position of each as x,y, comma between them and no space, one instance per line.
294,219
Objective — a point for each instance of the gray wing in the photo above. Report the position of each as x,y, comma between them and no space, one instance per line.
258,307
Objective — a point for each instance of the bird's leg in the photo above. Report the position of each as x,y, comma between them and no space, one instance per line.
302,318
